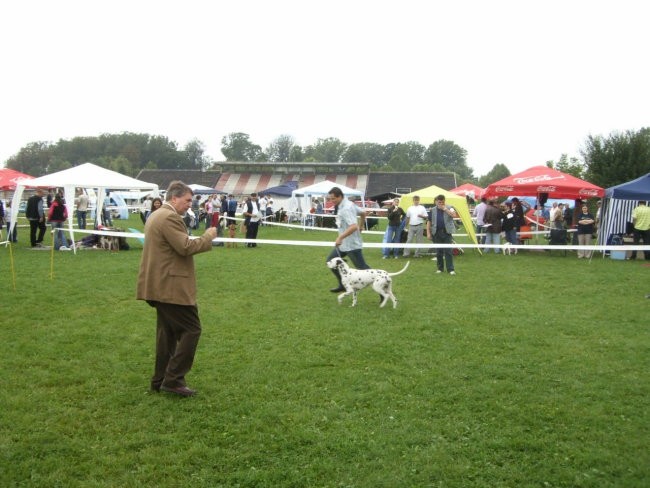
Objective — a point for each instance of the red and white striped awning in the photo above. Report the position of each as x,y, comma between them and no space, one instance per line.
247,183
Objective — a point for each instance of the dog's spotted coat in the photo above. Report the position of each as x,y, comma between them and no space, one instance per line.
354,280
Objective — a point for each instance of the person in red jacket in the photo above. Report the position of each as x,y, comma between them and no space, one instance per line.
56,216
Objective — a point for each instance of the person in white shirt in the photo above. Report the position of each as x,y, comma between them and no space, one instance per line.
555,217
416,216
479,214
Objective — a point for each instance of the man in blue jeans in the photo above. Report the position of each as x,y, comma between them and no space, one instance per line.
394,228
348,242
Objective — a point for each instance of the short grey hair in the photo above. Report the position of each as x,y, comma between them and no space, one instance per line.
177,189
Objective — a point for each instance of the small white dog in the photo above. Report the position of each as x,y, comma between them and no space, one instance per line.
507,249
354,280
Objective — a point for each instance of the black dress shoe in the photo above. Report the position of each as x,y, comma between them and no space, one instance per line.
337,290
179,390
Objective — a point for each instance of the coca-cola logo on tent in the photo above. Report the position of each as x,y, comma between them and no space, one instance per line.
535,179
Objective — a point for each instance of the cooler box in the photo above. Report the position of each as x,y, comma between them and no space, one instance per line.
617,255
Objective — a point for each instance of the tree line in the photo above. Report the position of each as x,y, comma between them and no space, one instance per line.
606,160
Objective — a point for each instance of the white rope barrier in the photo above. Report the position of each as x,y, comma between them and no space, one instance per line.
381,245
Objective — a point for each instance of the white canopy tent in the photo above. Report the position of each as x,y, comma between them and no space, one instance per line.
86,175
301,198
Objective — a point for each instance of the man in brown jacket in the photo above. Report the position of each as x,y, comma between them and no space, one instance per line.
167,282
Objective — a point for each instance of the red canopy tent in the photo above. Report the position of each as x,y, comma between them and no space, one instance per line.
8,178
541,180
468,189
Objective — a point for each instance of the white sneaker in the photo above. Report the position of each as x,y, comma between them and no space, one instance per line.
452,272
438,271
64,248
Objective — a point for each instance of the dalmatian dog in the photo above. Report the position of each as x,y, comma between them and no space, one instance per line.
354,280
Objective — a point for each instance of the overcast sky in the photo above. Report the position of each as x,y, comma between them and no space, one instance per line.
512,82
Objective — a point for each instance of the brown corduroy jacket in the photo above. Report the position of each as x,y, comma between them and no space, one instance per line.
167,264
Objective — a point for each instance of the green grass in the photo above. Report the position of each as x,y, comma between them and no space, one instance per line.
521,371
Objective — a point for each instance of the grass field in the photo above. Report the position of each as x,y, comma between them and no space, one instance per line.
521,371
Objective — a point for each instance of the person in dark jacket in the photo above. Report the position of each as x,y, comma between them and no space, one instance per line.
393,232
508,224
36,216
56,216
492,225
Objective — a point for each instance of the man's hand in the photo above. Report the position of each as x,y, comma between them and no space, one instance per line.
211,231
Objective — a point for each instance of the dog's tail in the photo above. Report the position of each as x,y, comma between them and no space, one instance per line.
400,272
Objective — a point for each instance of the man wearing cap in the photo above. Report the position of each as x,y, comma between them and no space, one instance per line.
641,222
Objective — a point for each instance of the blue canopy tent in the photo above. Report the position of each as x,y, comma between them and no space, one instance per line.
283,190
618,204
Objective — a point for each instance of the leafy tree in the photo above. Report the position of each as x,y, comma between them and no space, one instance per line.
365,152
571,166
280,149
329,150
34,159
618,158
236,146
449,156
498,172
163,152
296,154
195,157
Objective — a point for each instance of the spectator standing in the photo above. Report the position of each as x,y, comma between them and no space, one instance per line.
584,229
641,223
232,209
319,213
196,208
479,214
416,215
440,229
35,213
508,225
395,215
555,217
57,215
156,203
348,242
577,210
492,225
518,212
253,214
268,211
167,282
82,209
106,212
209,210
